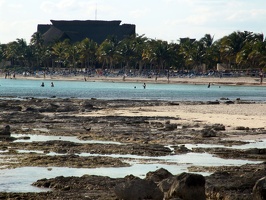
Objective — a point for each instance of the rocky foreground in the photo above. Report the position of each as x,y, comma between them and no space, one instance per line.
141,134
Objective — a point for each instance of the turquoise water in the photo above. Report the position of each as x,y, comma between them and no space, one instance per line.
110,90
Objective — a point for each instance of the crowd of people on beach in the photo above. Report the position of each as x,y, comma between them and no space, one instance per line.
121,73
148,74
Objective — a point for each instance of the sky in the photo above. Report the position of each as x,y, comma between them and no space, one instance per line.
167,20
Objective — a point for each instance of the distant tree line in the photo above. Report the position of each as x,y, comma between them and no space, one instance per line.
240,50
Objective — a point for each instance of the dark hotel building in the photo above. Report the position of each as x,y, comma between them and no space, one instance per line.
77,30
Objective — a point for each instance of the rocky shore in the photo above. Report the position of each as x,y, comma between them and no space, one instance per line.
143,128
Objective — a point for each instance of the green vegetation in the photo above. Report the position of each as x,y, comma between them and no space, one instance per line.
240,50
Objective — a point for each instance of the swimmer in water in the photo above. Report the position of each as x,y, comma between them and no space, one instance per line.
144,85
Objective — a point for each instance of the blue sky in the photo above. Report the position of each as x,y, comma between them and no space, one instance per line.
158,19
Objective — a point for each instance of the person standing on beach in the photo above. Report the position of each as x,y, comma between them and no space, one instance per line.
124,77
261,76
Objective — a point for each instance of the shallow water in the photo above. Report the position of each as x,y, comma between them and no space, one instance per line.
110,90
20,179
252,144
260,143
43,138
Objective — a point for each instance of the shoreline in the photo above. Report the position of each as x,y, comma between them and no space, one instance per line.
238,81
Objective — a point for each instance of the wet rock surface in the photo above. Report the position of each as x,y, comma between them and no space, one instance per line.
138,135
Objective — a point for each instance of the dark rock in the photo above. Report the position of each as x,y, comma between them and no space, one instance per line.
181,149
31,109
166,184
170,127
234,182
137,188
218,127
5,133
87,105
207,132
242,128
213,102
229,102
158,175
167,122
24,138
255,151
174,103
259,190
186,186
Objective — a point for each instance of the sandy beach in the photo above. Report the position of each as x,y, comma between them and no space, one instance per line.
232,116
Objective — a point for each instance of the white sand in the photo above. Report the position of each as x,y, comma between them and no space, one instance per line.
233,115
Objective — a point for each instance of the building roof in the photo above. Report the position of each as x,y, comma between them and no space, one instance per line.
77,30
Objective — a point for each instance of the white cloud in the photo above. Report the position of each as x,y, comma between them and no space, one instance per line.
2,2
164,19
139,13
258,13
48,7
66,4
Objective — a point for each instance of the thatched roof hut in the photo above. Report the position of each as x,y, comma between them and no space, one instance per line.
77,30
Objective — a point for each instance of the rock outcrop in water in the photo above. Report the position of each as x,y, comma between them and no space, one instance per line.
5,134
259,190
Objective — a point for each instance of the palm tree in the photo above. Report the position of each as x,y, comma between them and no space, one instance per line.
211,53
232,44
125,52
37,47
71,54
186,51
197,55
107,52
252,52
59,53
15,52
138,45
158,53
2,52
87,50
22,50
